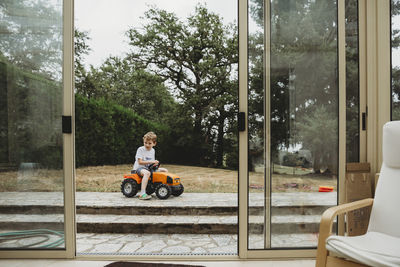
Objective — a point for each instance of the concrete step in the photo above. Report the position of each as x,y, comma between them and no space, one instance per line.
161,211
195,204
89,223
189,213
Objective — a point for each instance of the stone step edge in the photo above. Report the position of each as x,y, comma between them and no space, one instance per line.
132,210
173,225
149,219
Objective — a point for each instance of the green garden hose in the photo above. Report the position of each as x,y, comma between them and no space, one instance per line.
45,233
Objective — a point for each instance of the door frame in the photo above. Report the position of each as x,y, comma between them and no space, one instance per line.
68,150
374,73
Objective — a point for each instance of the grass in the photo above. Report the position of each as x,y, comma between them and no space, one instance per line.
195,179
40,180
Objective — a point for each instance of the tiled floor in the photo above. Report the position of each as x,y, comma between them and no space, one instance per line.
76,263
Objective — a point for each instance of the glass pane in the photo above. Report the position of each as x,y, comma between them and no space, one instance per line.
169,67
256,119
31,163
304,118
395,12
352,83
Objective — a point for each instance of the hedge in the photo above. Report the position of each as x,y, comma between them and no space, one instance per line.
109,134
31,108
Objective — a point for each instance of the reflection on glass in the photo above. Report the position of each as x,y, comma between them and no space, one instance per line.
352,82
31,177
395,17
304,118
256,119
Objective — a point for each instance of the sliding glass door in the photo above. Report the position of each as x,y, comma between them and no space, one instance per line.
296,87
33,155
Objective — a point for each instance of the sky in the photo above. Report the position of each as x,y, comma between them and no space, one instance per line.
108,20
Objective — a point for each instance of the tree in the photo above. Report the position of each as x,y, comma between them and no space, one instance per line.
83,84
318,132
303,74
395,69
32,36
123,82
352,83
198,60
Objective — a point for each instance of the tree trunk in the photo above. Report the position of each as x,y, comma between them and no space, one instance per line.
220,141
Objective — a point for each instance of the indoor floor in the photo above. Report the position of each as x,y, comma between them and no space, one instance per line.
73,263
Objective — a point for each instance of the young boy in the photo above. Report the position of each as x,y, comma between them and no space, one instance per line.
145,155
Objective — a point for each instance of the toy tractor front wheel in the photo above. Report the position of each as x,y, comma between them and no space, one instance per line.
163,191
178,191
129,187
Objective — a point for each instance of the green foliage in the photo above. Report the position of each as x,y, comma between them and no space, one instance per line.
121,81
303,77
180,74
395,12
198,59
32,111
3,113
294,159
81,49
395,43
32,35
319,133
396,93
108,133
352,83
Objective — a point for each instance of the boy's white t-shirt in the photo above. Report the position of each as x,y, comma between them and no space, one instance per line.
144,154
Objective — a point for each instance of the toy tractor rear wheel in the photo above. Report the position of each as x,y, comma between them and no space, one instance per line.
178,191
129,187
150,189
163,191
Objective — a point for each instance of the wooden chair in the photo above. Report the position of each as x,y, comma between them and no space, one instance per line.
380,246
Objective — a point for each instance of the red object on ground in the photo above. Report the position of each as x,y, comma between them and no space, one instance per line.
325,189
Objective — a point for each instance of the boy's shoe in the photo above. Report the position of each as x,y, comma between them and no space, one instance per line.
144,197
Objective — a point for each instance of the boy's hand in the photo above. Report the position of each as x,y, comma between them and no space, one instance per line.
156,162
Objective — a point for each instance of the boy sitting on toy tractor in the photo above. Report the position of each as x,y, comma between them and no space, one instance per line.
162,183
146,155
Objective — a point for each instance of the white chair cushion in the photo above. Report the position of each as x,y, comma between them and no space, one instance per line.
391,144
385,215
374,249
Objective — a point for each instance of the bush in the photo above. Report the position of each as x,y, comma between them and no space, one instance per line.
31,108
109,134
50,157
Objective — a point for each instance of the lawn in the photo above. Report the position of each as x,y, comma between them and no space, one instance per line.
195,179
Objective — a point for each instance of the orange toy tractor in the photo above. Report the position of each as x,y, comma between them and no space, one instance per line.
162,183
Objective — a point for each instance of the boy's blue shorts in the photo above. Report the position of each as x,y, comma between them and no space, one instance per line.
139,170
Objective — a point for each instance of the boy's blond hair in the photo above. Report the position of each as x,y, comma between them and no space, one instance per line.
150,136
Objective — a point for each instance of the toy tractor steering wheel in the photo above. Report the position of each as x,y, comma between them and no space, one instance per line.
153,166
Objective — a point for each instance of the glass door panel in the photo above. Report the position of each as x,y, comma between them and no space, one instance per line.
256,127
304,120
354,102
31,140
293,118
169,67
395,59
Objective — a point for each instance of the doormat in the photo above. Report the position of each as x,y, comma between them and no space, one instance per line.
147,264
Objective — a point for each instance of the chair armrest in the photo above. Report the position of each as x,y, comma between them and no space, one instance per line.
325,227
